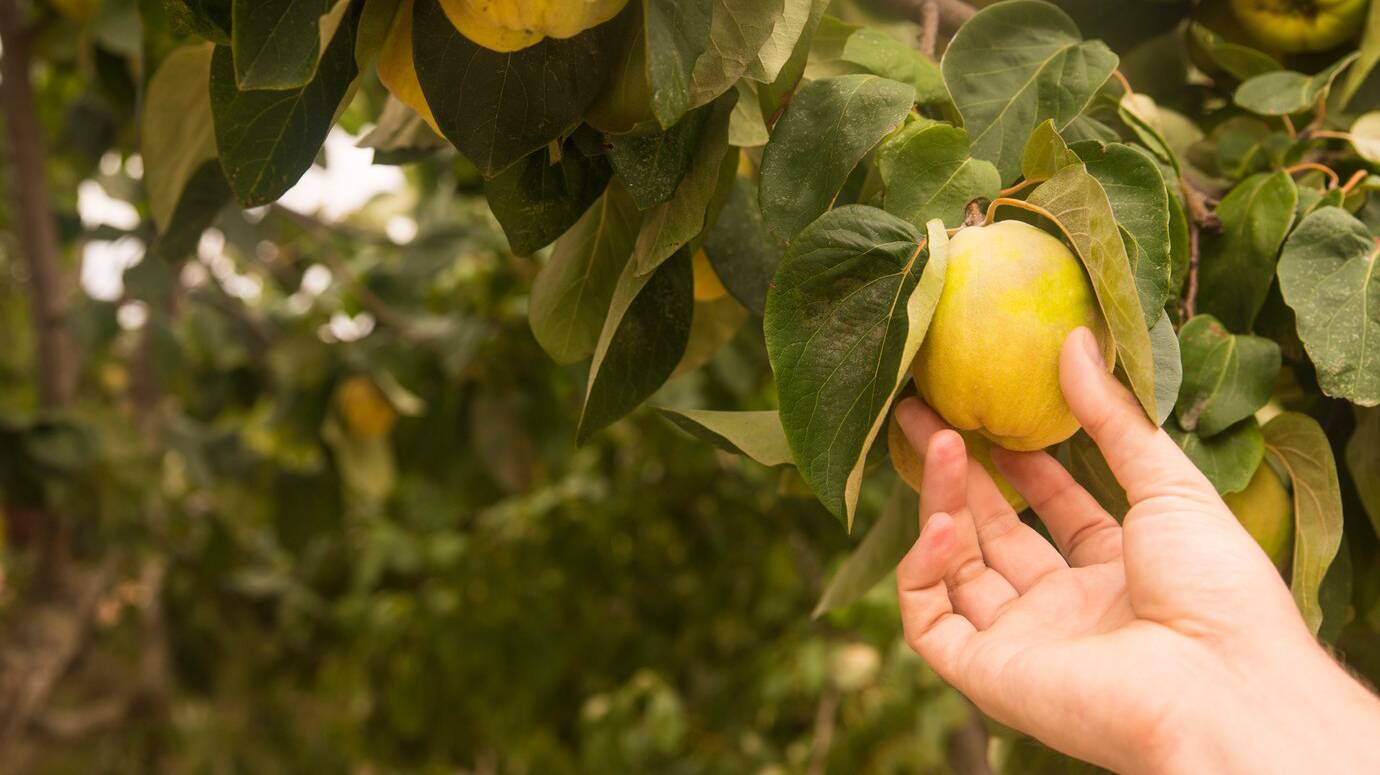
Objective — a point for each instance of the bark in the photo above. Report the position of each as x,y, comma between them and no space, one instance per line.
36,227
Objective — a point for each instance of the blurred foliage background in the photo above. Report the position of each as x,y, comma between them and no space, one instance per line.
328,485
310,500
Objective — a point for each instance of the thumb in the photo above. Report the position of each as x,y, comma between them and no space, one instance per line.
1142,456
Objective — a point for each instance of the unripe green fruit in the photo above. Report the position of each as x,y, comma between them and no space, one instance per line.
1299,26
990,360
1266,510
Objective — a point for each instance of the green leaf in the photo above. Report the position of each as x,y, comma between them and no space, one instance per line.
786,32
1241,62
1283,92
1147,120
672,224
744,253
642,340
1169,371
883,55
536,201
498,107
772,95
746,127
652,164
1363,460
1297,443
211,19
930,174
1226,377
205,194
827,129
571,295
375,19
1229,458
1238,261
895,530
178,135
1081,208
1140,202
1369,55
1328,277
697,49
1089,468
1045,153
1015,65
845,317
276,42
1365,136
267,139
757,435
1178,244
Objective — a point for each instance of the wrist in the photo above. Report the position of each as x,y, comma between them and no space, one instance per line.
1287,710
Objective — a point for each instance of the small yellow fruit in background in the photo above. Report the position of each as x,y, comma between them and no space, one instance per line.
1299,26
509,25
990,360
365,410
907,463
1266,510
708,286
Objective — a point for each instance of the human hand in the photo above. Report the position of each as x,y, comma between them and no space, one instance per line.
1166,643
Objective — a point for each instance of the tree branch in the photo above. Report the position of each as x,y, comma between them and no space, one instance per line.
38,240
929,28
952,13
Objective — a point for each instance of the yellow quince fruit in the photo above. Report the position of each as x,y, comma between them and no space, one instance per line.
990,360
1299,26
1266,510
509,25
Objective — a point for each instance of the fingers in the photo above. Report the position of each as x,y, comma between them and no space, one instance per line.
932,628
1082,529
1145,460
1010,547
978,592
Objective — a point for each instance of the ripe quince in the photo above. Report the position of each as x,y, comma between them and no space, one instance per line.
990,360
1266,510
1299,26
509,25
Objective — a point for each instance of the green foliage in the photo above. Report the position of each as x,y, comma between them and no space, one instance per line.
841,349
733,211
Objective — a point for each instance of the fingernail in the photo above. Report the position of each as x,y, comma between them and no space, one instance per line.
1094,349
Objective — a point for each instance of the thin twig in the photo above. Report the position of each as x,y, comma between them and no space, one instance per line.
1306,166
1330,134
1020,204
1125,84
33,204
1289,126
826,719
1191,291
1356,178
952,13
929,28
1016,188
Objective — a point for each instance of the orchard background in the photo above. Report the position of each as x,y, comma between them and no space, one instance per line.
438,385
